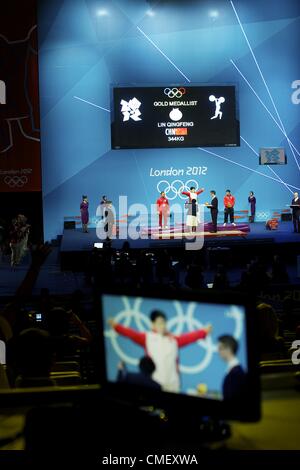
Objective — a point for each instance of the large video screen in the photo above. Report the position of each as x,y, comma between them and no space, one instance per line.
185,347
174,117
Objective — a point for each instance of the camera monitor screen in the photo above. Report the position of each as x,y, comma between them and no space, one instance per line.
98,245
174,117
180,347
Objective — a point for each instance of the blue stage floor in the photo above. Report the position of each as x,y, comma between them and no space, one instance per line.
76,240
61,282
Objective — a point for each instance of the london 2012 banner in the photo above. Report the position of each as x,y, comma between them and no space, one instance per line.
20,164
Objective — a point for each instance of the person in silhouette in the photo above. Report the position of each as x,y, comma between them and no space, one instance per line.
84,212
143,377
229,202
296,212
234,383
109,220
218,102
19,234
213,206
252,202
163,210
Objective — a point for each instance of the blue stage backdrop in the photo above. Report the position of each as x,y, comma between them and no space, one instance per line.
86,46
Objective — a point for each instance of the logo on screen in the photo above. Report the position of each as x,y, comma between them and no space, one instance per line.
218,102
272,156
175,114
2,92
175,92
130,109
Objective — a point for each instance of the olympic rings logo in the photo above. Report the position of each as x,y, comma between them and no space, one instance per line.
16,181
176,188
263,215
174,92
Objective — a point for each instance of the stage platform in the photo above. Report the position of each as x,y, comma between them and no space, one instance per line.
245,236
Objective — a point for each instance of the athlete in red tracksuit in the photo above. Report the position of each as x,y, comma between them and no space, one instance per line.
229,201
163,209
162,347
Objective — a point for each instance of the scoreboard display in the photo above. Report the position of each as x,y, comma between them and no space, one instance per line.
174,117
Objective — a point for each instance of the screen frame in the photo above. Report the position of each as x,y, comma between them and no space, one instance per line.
262,149
172,402
114,86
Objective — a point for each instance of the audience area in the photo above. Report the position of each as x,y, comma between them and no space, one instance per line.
49,336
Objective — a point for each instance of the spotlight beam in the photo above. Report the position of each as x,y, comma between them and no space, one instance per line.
163,54
92,104
263,104
246,167
265,83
